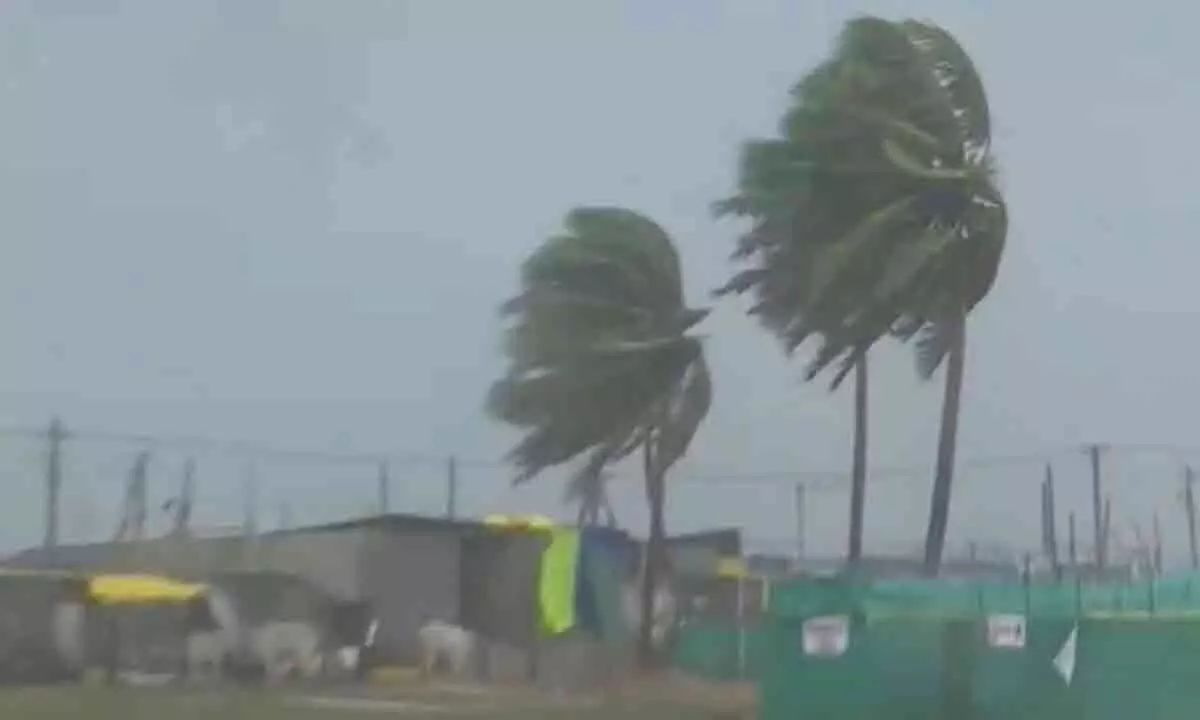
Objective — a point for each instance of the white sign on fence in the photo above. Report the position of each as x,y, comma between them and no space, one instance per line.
827,636
1006,631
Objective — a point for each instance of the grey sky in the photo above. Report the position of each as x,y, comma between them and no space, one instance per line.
211,231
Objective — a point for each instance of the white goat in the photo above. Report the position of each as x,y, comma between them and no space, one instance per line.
443,642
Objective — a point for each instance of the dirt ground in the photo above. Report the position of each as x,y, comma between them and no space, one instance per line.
660,700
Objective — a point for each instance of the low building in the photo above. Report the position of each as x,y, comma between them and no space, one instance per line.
405,566
408,568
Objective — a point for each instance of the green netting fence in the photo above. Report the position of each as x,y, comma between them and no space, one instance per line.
716,650
725,637
957,651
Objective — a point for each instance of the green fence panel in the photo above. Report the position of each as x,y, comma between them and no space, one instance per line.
706,650
890,669
922,650
1140,669
1021,684
714,650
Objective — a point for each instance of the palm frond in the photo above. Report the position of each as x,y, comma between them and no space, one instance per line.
597,341
933,344
684,414
961,81
876,206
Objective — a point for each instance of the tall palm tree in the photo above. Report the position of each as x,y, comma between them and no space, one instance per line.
878,212
601,362
781,248
803,205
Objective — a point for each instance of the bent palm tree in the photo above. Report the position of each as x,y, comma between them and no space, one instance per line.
886,157
793,228
601,364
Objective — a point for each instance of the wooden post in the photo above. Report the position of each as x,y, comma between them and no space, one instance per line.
451,488
1101,541
1071,545
741,627
1158,551
1027,581
384,489
250,517
1051,523
55,436
800,529
1189,480
1104,535
187,492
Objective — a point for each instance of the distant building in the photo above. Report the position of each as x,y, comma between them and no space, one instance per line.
898,567
700,553
405,566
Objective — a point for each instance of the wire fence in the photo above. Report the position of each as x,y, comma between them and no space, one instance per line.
995,514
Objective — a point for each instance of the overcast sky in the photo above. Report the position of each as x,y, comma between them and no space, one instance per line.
290,222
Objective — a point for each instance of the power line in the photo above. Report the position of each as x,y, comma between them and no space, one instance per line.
817,480
874,473
203,443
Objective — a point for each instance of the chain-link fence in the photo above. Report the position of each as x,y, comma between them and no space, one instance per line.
110,485
996,515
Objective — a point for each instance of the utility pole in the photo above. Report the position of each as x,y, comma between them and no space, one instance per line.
1189,497
1107,526
384,488
187,492
800,529
250,516
1071,546
451,488
56,434
132,526
131,529
1158,551
1101,552
1050,522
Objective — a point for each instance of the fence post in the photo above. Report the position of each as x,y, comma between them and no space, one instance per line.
1028,582
1078,598
55,436
741,627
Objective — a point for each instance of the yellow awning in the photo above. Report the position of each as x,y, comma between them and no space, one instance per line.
519,522
133,589
731,567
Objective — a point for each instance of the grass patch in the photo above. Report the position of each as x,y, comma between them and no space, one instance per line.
103,703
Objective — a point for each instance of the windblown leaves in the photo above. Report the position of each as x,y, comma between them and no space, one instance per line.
875,210
600,358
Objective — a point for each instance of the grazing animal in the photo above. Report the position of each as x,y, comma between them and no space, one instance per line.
281,648
445,644
205,653
287,649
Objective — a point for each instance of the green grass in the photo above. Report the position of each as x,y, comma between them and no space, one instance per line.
98,703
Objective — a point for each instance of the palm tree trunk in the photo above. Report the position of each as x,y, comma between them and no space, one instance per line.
610,515
655,551
939,505
858,482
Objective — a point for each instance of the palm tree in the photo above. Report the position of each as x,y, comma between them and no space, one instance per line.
877,212
601,362
801,211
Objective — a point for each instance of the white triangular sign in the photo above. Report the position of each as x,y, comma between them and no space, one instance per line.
1064,661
